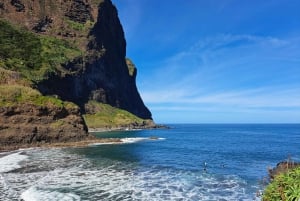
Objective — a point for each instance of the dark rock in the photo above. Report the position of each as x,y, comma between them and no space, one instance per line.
101,74
282,167
43,24
18,4
108,34
75,65
68,34
101,77
79,12
2,7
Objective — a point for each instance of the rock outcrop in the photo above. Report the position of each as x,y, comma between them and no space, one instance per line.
80,11
31,124
74,50
282,167
101,73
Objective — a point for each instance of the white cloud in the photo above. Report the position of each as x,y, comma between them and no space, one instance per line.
257,98
229,74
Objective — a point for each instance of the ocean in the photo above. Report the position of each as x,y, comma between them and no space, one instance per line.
186,162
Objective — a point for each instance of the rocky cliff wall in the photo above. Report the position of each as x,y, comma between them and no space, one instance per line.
67,51
100,72
31,124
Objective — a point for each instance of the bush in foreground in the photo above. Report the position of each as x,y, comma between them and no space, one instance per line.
284,187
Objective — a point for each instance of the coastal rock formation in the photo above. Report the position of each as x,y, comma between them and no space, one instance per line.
31,124
100,71
80,11
282,167
73,50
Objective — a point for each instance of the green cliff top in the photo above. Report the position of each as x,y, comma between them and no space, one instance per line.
34,56
105,115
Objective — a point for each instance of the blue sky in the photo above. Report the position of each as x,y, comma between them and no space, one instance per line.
216,61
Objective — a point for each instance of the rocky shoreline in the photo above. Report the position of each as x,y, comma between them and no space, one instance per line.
82,143
90,139
282,167
29,124
127,128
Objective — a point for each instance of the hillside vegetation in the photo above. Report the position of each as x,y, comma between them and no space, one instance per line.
12,95
104,115
285,187
34,56
59,64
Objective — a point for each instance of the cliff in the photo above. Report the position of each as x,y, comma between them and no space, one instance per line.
28,117
71,52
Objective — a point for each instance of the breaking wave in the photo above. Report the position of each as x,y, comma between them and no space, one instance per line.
11,161
55,174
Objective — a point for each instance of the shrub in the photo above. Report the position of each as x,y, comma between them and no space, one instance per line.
36,57
16,94
285,187
107,115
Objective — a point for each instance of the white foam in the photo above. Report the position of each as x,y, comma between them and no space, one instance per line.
127,141
161,138
104,143
68,175
139,139
133,139
33,194
11,162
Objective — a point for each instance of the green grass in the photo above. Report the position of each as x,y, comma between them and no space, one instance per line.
76,25
57,124
19,48
107,115
11,77
285,187
79,26
16,94
34,56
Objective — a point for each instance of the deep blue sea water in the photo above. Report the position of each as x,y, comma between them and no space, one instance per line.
186,162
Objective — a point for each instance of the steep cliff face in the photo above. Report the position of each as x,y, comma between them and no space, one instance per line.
104,74
108,34
99,71
73,50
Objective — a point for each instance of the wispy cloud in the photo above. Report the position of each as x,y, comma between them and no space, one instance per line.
263,97
240,72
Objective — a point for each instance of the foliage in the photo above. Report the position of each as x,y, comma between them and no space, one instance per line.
19,48
76,25
79,26
16,94
107,115
57,124
284,187
34,56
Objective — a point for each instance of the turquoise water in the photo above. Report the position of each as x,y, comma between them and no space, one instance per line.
186,162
